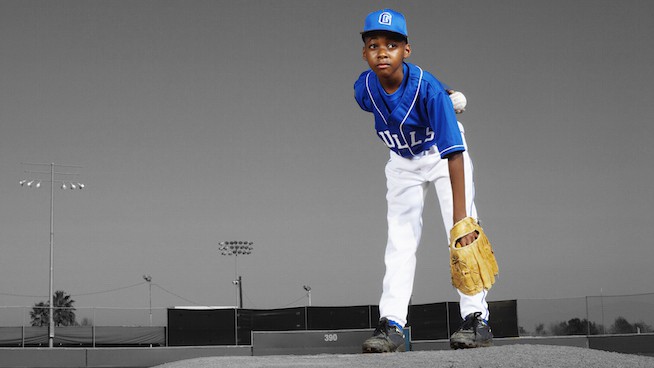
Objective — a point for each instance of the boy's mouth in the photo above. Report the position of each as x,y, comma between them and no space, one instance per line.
383,66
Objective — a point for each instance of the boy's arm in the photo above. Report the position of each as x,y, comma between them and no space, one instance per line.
457,179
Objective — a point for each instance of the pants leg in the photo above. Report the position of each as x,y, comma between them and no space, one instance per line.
440,176
405,198
474,303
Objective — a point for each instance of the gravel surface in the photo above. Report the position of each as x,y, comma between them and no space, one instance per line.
508,356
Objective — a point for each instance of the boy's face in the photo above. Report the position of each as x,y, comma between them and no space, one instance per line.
384,53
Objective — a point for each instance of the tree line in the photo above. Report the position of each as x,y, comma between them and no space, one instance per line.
577,326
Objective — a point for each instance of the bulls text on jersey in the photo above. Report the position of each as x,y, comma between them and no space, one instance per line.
394,141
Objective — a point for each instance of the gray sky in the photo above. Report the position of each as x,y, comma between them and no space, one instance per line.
202,121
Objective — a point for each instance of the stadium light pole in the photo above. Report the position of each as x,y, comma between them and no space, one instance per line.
307,288
35,183
236,248
148,279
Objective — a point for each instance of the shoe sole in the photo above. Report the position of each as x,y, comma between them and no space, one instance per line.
367,349
470,345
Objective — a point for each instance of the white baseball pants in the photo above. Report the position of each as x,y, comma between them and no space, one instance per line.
407,181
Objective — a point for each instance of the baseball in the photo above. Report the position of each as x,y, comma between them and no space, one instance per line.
459,101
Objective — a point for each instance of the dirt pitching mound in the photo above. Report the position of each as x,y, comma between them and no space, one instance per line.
508,356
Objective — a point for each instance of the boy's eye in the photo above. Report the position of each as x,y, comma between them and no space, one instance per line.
392,45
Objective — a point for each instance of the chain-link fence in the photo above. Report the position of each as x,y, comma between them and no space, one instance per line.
130,317
83,327
591,315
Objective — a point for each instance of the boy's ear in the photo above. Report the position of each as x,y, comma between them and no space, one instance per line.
407,50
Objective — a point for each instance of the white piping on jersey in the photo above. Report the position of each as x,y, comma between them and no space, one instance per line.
373,100
413,103
451,148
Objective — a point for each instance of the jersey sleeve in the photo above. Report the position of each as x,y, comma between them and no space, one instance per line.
361,93
443,121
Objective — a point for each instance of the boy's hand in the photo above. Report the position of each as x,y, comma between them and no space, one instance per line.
467,239
459,101
473,267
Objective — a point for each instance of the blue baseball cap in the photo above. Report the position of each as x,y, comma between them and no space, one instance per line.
386,20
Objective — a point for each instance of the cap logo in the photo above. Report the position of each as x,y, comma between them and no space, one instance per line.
385,18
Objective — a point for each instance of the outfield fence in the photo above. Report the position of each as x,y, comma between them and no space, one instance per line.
97,327
591,315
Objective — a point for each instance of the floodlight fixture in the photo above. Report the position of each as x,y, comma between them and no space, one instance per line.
236,248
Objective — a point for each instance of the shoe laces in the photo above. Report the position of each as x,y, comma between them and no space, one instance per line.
383,327
471,322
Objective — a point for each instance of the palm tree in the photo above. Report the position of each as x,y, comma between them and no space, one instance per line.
40,313
64,312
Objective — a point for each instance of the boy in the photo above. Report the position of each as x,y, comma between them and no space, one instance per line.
415,118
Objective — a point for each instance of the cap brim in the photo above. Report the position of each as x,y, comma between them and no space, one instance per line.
383,30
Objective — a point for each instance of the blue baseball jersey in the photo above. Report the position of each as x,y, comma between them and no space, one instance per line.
416,117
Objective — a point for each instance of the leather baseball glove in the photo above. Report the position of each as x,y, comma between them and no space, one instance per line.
473,267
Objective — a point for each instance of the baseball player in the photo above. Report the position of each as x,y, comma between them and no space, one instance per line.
415,118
